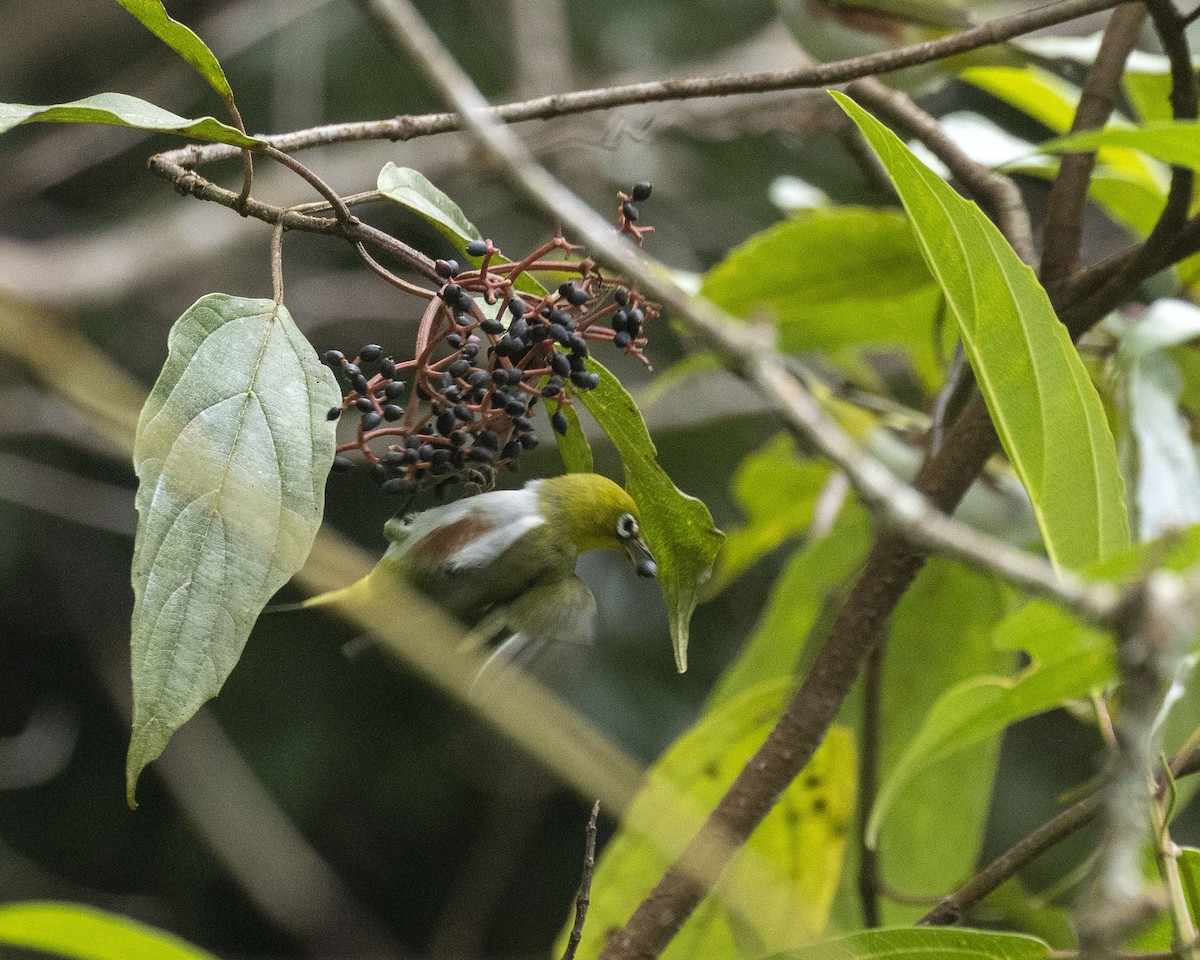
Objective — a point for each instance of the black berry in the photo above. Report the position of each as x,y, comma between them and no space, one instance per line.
477,248
641,191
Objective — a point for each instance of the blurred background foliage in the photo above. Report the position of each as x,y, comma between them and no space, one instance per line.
330,804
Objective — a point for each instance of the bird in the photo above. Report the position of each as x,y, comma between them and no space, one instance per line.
503,563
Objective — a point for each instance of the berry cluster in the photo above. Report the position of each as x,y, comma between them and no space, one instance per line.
485,354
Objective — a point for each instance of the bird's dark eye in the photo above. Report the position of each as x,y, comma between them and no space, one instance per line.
627,527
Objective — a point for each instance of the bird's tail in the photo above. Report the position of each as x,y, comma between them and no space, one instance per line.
355,593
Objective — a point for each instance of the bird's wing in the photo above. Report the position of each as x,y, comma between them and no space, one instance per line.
552,618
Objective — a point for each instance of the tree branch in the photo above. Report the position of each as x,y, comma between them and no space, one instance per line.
1052,832
659,91
1097,99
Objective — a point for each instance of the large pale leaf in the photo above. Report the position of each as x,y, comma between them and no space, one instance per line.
1045,408
678,528
121,110
847,276
85,933
179,38
1068,660
232,451
777,892
924,943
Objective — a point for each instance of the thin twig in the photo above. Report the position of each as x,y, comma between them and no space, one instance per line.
660,91
1097,99
952,909
340,210
1153,629
277,263
1099,290
870,879
584,898
1167,854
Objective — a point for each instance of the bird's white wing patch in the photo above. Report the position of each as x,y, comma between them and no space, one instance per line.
489,546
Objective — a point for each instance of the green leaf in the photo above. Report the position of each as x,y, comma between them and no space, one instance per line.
1068,660
940,635
1047,413
1149,94
120,110
179,38
792,622
232,451
924,943
85,933
1174,142
777,491
1130,188
778,891
573,446
833,278
1189,874
1052,102
413,191
679,529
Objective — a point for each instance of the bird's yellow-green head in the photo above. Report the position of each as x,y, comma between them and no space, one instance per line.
596,515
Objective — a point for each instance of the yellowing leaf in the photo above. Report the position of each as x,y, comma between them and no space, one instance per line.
85,933
777,893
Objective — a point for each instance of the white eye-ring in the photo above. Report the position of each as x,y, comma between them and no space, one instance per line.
627,527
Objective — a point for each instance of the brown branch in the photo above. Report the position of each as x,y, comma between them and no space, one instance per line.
659,91
996,193
1102,288
584,897
952,909
1097,99
187,181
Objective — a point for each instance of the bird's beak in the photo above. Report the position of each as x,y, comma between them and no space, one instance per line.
642,559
